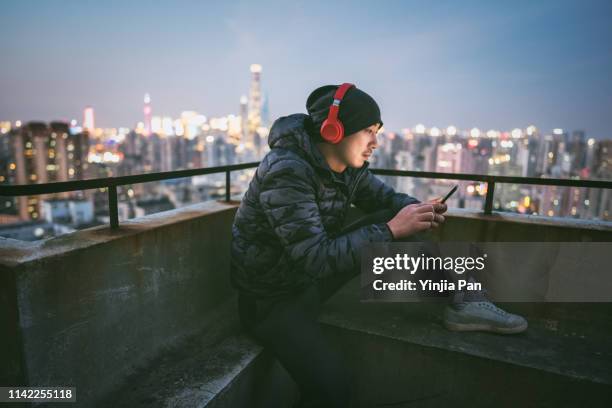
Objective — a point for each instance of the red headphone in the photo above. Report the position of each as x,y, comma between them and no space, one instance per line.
332,129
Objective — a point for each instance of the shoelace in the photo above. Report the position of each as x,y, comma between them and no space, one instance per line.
494,308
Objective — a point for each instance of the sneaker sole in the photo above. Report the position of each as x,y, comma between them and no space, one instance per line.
484,327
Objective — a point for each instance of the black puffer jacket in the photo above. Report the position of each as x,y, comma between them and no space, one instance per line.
285,230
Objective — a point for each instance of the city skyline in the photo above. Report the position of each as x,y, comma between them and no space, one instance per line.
474,65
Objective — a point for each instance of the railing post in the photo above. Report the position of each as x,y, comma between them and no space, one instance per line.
227,185
112,206
488,209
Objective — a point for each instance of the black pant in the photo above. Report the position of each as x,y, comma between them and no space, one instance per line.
288,327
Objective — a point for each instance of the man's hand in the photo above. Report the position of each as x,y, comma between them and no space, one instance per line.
416,217
439,206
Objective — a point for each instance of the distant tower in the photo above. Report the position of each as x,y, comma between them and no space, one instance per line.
254,101
147,114
265,111
88,119
244,117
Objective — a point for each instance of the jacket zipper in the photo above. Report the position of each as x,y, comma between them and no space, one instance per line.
352,191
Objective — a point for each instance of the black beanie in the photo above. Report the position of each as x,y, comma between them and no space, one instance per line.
358,110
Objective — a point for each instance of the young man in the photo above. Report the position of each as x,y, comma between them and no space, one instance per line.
290,251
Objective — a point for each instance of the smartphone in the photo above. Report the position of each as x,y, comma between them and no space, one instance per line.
450,193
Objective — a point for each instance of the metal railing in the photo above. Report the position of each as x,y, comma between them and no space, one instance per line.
491,180
111,183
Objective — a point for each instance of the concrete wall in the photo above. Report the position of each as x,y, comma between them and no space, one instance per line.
468,225
89,308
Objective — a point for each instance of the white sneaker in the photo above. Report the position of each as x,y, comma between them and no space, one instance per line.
484,316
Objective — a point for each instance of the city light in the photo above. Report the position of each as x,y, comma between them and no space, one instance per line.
162,143
531,130
527,201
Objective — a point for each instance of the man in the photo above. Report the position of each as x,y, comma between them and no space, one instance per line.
289,249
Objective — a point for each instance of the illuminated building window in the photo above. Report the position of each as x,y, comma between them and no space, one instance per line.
33,177
1,179
71,171
70,147
12,166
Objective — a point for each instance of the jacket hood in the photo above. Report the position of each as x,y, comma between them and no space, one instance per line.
293,132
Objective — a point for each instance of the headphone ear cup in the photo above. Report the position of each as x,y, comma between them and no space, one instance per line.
332,131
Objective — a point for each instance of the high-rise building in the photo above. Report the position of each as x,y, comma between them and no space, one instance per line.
147,114
265,111
244,117
41,153
88,119
254,117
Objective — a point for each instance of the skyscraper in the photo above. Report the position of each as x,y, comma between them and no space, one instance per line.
41,153
88,119
265,111
244,118
147,114
254,102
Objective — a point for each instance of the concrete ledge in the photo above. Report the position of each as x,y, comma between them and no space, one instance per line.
14,253
556,222
474,226
400,355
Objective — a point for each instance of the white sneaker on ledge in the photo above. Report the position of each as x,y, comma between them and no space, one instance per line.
482,316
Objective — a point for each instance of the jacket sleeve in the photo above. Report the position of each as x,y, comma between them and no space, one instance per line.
373,194
288,199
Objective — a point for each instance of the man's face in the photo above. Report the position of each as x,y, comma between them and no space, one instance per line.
355,149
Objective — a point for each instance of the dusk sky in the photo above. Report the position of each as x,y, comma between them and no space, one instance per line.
488,64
